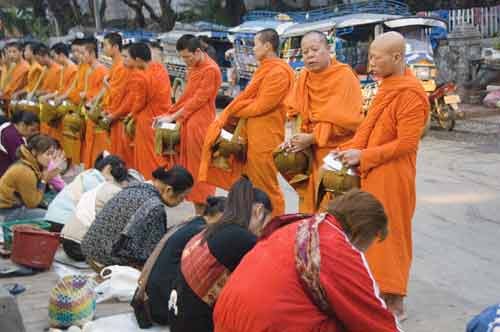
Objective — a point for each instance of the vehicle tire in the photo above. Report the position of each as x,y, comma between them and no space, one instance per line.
447,119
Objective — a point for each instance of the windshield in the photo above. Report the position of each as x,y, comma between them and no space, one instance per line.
418,46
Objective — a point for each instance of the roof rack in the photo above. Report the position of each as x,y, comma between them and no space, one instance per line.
393,7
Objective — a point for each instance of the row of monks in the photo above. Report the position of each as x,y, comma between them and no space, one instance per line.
326,97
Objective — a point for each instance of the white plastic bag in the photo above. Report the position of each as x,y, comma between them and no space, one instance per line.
119,283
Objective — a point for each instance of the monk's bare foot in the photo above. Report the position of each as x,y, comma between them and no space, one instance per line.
395,304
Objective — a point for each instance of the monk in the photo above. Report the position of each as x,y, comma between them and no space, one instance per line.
117,89
35,73
96,139
49,85
327,96
72,142
385,149
158,103
195,111
68,72
16,77
262,106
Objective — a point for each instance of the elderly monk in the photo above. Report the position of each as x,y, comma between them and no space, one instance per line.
328,98
158,103
385,148
195,111
16,77
115,99
34,74
96,139
262,106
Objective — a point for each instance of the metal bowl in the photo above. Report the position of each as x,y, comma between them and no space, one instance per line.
294,166
167,136
337,178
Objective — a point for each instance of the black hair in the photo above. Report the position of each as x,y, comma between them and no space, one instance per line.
40,143
177,177
31,44
30,118
239,205
15,44
77,42
188,42
204,39
118,168
61,48
319,34
115,39
140,51
41,50
3,119
215,204
17,117
270,36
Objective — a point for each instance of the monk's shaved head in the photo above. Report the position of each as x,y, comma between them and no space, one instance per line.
387,55
315,51
391,42
317,34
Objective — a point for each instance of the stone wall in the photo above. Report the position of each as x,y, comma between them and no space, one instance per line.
455,55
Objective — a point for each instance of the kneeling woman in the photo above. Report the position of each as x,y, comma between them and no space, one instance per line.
130,225
23,186
165,268
209,257
311,275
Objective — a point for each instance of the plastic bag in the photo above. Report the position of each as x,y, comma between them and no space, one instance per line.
119,283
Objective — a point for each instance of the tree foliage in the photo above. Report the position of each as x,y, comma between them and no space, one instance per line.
165,19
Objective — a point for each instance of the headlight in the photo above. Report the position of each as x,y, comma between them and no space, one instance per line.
423,73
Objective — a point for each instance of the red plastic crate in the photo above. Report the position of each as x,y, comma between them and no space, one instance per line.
34,247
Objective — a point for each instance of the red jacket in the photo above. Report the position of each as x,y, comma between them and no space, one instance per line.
264,293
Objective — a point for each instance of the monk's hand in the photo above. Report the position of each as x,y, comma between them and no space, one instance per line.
301,142
350,157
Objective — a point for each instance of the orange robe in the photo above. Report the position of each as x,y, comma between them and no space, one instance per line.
262,104
119,85
17,80
50,84
96,139
34,76
73,146
68,76
198,102
389,139
133,102
158,103
330,105
79,84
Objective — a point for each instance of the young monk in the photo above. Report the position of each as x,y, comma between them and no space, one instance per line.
133,102
261,104
195,111
117,82
34,74
16,77
96,139
73,143
158,103
385,149
48,86
328,98
68,72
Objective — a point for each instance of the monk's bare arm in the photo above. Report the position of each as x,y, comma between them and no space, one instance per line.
410,120
274,89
